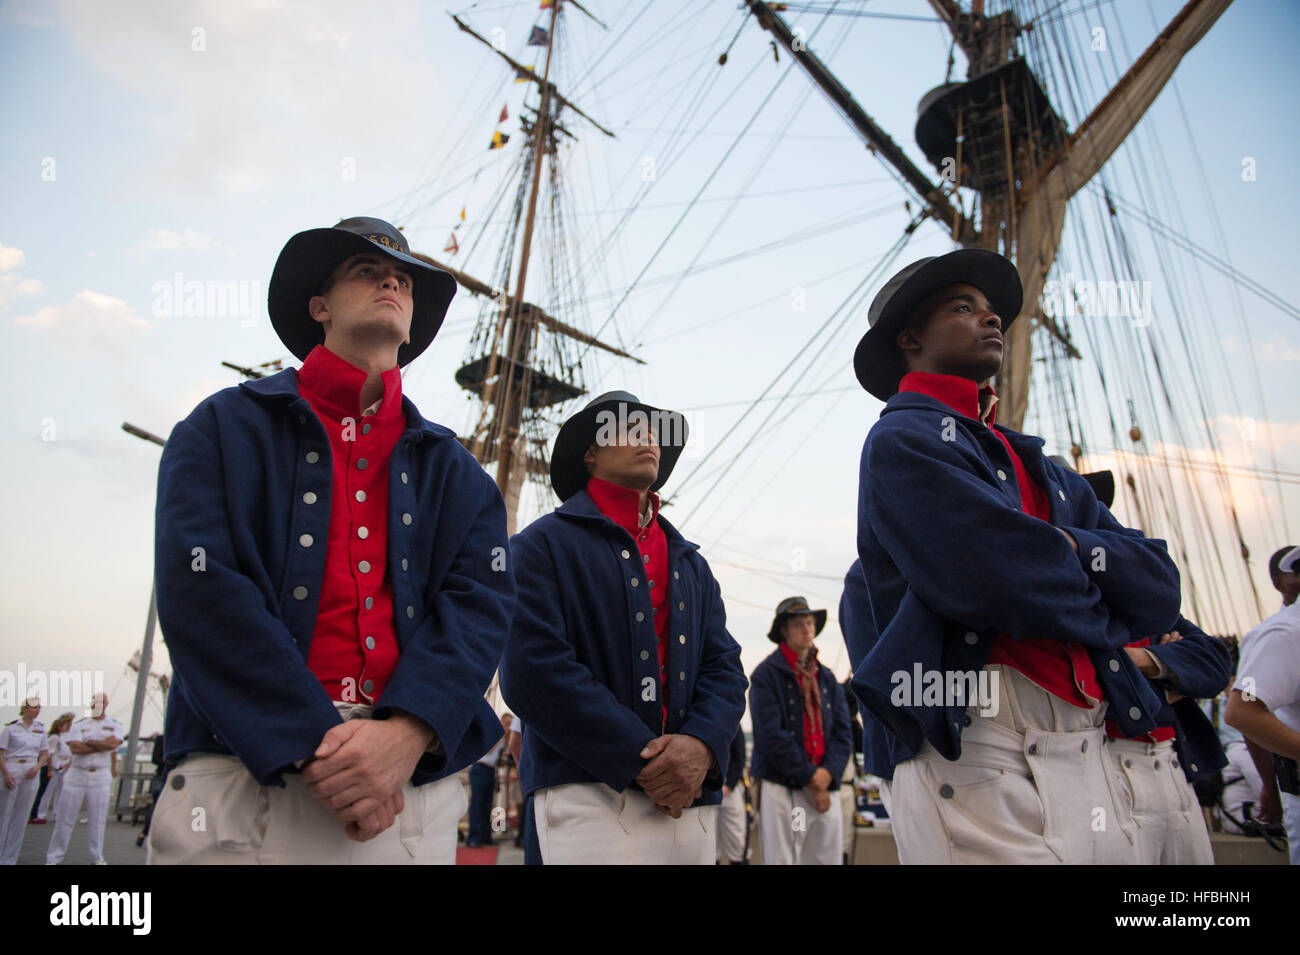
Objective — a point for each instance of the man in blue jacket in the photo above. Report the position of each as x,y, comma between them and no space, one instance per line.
333,583
802,742
619,660
1002,595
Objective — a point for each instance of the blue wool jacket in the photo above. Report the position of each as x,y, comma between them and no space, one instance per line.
581,665
238,616
776,707
950,560
1200,669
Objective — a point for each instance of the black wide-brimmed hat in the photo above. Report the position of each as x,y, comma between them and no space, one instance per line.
877,362
569,473
793,607
307,260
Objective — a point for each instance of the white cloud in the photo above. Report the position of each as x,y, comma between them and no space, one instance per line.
11,258
91,318
168,240
269,92
1280,350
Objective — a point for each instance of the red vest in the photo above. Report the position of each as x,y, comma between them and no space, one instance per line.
354,643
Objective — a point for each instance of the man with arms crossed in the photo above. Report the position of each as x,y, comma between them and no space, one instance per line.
979,553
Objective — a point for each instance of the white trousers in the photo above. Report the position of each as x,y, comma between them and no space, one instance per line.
1170,825
213,812
1033,785
1291,820
52,789
792,831
81,785
591,824
15,807
731,826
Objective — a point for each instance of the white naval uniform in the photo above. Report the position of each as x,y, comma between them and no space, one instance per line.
60,760
792,831
1033,785
1170,825
89,778
591,824
213,812
23,746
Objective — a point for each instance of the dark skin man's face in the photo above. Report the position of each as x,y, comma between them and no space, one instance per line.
960,335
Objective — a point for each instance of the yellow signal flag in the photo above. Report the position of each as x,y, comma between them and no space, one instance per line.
499,139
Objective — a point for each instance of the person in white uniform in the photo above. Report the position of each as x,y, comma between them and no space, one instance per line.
57,767
1265,700
93,742
24,749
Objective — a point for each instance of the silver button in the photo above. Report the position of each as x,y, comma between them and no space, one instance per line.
1002,475
681,605
1134,713
681,674
363,566
300,593
1060,494
368,687
971,638
312,457
636,582
365,428
645,654
1114,666
681,638
676,576
363,532
626,553
305,540
945,791
404,477
645,558
405,564
1193,765
362,464
410,612
370,602
406,519
370,643
309,497
361,497
681,714
639,616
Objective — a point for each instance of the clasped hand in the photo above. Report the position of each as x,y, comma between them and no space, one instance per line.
674,777
359,769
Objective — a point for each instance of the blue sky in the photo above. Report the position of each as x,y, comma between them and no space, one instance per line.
136,149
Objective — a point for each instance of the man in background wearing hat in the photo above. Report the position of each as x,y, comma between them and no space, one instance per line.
1265,700
333,583
979,553
619,660
802,742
